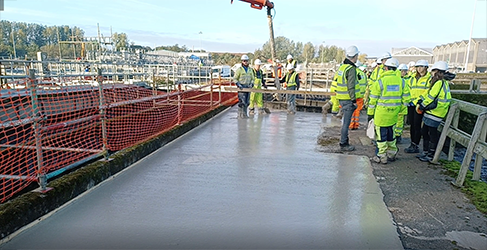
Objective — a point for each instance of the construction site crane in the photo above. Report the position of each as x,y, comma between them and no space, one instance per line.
259,4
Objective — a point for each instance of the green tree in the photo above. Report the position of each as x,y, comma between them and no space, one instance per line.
120,41
308,52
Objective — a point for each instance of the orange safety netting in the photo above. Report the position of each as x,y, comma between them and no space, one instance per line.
49,130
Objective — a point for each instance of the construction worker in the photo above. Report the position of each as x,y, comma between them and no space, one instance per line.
359,95
244,78
434,103
403,73
345,93
290,60
279,69
411,68
419,83
291,82
256,98
333,102
375,75
387,97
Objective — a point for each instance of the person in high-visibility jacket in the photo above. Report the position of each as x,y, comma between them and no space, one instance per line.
386,99
375,75
259,83
333,102
279,69
419,83
403,72
345,93
290,60
439,93
291,82
244,78
359,95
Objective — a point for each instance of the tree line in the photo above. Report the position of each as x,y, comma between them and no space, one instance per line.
24,40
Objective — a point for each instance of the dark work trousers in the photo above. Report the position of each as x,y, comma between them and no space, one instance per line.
430,138
415,120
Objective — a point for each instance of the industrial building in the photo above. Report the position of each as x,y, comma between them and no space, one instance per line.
455,54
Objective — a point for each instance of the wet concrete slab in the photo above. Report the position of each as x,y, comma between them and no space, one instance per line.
258,183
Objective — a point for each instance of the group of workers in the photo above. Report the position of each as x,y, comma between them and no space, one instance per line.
391,92
248,77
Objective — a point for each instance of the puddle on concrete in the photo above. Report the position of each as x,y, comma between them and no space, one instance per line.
465,239
468,239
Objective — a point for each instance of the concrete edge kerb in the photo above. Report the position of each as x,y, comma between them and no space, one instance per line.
31,206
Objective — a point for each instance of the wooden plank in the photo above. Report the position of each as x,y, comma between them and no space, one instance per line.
478,157
470,107
280,91
444,132
468,154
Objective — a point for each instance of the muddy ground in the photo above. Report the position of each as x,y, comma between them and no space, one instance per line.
430,213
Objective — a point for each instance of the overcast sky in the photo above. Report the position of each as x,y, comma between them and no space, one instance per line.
375,26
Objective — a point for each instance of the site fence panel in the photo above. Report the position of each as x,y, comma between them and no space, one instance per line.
46,130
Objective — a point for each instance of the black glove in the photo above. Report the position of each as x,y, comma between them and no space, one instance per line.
354,101
239,85
370,117
265,86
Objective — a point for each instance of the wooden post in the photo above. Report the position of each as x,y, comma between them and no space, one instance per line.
453,143
444,133
471,146
478,157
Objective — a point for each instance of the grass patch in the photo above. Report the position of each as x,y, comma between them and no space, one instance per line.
475,190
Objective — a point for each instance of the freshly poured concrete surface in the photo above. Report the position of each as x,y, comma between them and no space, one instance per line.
258,183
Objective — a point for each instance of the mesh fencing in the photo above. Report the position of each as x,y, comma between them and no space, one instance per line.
45,131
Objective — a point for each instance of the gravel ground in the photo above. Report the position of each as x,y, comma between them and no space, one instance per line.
429,212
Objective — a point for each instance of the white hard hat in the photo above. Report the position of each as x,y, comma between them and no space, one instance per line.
352,51
373,65
244,57
362,67
402,67
386,55
257,62
289,66
392,62
422,63
411,64
440,65
289,57
378,61
277,61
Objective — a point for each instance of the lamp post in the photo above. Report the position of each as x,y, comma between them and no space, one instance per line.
470,39
201,43
323,52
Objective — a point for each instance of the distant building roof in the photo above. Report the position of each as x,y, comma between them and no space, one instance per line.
412,51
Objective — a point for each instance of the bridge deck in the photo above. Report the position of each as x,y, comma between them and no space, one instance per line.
254,183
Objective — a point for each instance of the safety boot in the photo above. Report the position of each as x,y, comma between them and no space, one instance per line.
347,147
412,149
428,156
392,156
252,111
245,114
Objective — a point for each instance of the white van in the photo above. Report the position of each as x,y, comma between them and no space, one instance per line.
221,71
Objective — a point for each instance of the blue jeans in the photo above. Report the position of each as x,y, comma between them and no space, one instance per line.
347,107
244,98
291,100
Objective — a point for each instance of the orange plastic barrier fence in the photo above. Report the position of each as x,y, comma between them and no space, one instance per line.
46,131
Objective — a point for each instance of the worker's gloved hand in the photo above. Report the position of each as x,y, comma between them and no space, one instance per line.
418,109
410,104
239,85
370,117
